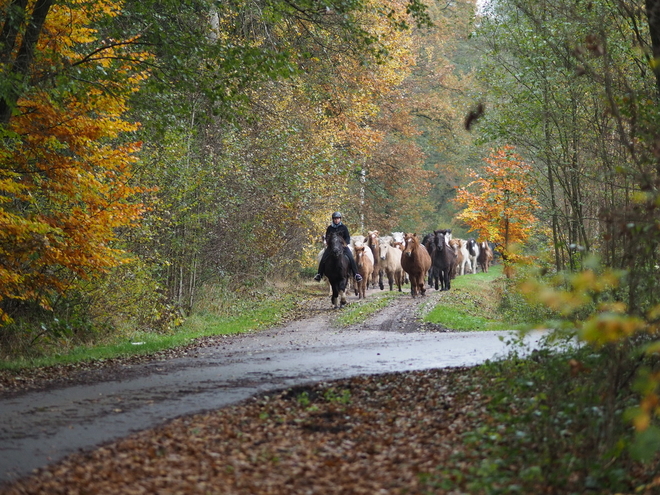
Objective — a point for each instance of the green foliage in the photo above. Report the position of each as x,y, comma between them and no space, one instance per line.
309,401
555,424
217,52
516,307
460,320
45,333
129,299
339,396
126,300
569,69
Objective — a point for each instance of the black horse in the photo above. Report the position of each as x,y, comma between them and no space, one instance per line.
337,269
429,243
443,259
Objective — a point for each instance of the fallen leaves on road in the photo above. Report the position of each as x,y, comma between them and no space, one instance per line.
365,435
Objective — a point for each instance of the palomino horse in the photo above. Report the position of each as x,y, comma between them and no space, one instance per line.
390,262
336,269
365,267
416,262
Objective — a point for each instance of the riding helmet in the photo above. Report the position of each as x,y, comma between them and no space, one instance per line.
336,215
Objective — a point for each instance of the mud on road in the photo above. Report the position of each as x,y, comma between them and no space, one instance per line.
86,408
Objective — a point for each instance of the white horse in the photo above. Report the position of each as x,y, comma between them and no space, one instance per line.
390,263
473,254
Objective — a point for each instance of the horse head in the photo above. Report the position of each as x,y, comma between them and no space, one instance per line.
383,246
429,242
374,244
440,239
411,243
336,244
471,244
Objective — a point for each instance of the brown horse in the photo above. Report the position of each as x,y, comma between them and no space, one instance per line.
416,262
485,257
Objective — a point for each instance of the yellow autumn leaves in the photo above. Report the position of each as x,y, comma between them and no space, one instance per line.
65,186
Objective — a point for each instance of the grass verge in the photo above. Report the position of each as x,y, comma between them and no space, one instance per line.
473,303
248,316
363,309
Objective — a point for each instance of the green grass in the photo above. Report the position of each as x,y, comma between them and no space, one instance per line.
249,316
358,312
473,303
458,319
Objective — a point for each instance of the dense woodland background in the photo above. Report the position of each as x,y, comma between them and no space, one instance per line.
152,149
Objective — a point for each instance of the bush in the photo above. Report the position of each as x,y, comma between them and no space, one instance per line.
516,308
556,425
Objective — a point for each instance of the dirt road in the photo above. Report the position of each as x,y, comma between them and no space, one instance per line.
40,427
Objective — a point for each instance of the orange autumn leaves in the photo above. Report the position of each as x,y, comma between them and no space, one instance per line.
65,180
499,204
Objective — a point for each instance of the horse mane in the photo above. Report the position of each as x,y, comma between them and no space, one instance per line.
336,242
411,238
334,234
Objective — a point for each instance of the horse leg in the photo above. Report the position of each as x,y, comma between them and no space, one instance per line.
334,297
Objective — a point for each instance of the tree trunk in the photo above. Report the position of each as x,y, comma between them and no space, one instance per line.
548,160
13,23
20,68
653,16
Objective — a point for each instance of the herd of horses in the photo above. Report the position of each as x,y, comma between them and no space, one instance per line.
400,258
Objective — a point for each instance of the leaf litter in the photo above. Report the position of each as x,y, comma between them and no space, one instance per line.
365,435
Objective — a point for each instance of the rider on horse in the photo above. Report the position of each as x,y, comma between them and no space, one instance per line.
340,229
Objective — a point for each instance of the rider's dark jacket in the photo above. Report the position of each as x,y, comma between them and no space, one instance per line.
340,229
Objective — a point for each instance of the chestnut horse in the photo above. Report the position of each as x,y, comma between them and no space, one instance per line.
485,257
416,262
337,269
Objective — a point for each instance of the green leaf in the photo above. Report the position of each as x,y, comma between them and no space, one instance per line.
646,444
